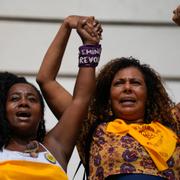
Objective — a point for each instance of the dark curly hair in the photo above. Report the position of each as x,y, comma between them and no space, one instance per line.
7,80
158,105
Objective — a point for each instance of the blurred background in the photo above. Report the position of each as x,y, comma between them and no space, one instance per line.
142,29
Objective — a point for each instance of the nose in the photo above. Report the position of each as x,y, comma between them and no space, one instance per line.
23,102
127,87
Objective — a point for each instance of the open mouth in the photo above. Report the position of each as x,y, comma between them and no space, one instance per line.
23,115
127,101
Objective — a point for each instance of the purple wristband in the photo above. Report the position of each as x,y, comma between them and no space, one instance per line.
89,55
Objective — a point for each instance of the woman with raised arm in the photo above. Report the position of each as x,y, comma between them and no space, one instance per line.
27,152
129,122
131,132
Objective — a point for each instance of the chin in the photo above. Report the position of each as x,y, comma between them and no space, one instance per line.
129,116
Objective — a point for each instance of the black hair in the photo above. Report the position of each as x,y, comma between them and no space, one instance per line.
7,80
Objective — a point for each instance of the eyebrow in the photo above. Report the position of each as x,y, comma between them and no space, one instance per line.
133,78
18,93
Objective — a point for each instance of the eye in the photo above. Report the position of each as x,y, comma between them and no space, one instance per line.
14,98
32,99
136,82
118,83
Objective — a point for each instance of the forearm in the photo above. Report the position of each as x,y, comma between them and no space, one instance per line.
57,98
89,55
85,85
53,57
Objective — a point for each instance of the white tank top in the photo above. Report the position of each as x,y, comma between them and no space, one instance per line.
43,157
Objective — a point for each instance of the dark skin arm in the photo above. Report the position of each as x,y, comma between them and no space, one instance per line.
53,92
176,15
62,138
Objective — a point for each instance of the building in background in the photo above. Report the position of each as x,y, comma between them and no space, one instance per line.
142,29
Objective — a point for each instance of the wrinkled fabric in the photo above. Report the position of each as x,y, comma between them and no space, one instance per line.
153,137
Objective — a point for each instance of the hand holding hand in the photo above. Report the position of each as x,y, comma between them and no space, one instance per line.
72,21
89,29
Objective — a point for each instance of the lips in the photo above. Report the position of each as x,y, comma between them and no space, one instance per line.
127,100
23,115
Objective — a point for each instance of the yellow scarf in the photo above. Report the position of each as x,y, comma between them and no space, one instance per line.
159,141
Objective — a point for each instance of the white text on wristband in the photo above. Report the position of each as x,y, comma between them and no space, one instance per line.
89,55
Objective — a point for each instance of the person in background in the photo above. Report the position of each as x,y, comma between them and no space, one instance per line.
27,151
176,15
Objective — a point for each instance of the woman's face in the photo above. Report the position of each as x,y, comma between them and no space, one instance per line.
128,94
23,109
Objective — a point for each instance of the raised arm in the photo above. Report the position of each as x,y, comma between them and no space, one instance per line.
57,98
176,15
62,138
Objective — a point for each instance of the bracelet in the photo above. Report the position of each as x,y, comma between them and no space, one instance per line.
89,55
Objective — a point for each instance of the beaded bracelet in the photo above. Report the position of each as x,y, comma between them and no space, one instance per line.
89,55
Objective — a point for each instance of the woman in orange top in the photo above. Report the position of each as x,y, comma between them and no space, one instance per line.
27,152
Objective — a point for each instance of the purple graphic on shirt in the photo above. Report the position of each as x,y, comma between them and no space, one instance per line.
127,168
129,156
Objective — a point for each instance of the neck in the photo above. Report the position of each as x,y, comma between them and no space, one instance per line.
28,146
138,121
18,144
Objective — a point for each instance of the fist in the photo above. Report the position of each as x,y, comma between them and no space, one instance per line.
89,30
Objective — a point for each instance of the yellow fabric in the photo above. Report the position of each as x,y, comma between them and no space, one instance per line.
25,170
159,141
